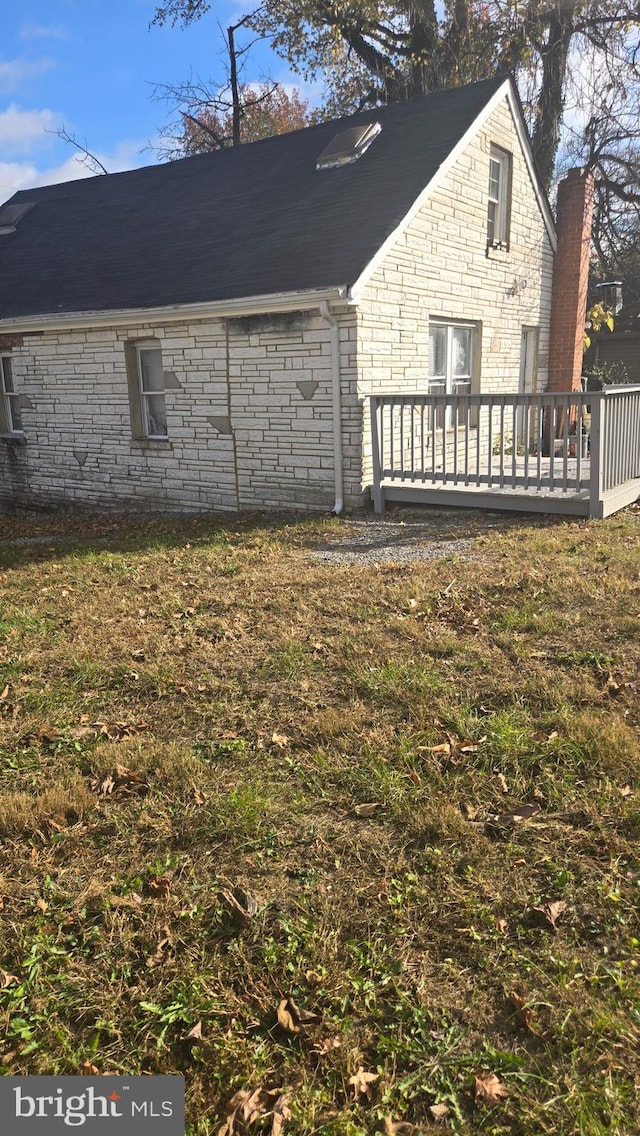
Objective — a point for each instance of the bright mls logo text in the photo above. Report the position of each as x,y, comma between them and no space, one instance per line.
76,1110
125,1106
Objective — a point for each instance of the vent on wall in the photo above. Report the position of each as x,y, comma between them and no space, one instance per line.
10,215
348,146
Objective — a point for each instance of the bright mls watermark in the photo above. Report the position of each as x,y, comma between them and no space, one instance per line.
111,1106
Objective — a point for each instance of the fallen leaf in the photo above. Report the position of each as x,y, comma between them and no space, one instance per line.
238,902
329,1045
195,1033
523,1012
280,740
362,1081
197,795
120,782
625,790
439,1111
244,1108
469,747
501,926
7,979
517,815
489,1089
468,811
5,693
443,747
162,953
160,887
293,1018
393,1127
548,913
87,1069
368,809
313,977
42,905
281,1113
502,781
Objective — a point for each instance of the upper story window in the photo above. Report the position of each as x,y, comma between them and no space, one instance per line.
10,416
151,389
499,198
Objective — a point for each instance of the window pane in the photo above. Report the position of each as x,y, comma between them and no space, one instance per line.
437,350
7,374
495,171
461,351
156,415
151,369
15,417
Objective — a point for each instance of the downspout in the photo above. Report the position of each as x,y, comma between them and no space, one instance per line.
336,403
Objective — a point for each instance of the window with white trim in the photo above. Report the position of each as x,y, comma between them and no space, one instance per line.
499,198
153,414
10,416
450,362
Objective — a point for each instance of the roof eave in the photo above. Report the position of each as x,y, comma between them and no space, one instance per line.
174,313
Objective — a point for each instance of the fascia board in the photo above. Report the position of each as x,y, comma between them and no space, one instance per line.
504,91
174,313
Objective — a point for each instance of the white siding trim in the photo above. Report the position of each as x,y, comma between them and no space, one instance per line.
504,91
125,317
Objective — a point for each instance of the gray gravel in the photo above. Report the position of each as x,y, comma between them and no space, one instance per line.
391,539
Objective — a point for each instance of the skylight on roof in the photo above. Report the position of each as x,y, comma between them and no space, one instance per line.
10,215
348,146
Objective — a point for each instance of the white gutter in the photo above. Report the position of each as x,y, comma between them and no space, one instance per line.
336,403
244,306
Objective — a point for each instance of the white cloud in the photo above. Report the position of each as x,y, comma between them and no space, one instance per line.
14,73
26,175
22,131
31,30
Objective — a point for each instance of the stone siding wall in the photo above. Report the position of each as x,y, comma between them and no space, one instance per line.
441,267
248,409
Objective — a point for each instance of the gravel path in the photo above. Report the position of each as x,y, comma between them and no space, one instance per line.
405,537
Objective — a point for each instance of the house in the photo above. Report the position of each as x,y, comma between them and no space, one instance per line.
209,333
616,355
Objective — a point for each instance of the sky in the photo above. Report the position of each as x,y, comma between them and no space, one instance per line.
91,66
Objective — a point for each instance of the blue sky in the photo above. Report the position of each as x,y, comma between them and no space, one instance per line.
92,64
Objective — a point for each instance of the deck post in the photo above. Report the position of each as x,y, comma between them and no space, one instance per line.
596,453
376,488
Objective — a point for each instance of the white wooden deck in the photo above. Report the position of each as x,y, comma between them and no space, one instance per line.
575,453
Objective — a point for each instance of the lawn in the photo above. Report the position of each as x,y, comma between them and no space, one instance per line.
353,847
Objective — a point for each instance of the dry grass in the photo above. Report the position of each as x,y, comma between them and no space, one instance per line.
190,707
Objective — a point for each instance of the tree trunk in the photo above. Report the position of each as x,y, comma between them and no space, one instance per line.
550,103
235,94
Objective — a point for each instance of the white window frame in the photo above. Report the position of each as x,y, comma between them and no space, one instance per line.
10,417
145,396
499,192
450,383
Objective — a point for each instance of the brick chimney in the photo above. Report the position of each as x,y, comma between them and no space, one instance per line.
570,280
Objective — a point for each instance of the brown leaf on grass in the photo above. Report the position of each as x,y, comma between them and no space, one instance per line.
42,905
362,1081
163,951
439,1111
392,1127
238,902
368,809
517,815
280,740
281,1113
489,1089
248,1106
547,914
470,747
160,887
329,1045
197,796
120,782
7,979
195,1033
88,1069
443,747
5,693
502,781
501,926
294,1018
625,790
468,811
523,1012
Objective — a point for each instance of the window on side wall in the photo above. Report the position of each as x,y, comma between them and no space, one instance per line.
146,389
10,416
498,215
450,364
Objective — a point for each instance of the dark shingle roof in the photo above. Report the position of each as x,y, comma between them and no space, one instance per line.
250,221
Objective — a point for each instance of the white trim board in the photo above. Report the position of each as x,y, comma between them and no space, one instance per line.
172,313
504,91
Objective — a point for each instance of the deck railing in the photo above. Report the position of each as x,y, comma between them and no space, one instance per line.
579,445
